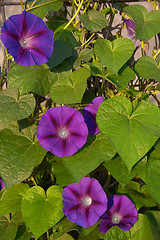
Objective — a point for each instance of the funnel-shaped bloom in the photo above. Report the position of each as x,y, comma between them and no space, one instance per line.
89,113
1,184
120,212
62,131
130,25
85,203
27,39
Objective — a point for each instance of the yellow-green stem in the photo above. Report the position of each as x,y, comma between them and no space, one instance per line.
33,180
40,5
88,40
22,5
158,52
75,15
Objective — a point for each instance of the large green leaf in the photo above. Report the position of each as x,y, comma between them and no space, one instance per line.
70,90
13,107
147,25
8,228
154,219
70,169
42,7
93,21
10,201
42,211
128,131
35,79
114,54
147,68
19,154
22,233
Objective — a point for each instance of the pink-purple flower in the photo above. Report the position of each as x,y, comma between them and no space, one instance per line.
2,185
130,25
120,212
84,203
89,113
27,39
62,131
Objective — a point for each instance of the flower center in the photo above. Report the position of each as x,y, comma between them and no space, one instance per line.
63,133
87,201
116,218
23,43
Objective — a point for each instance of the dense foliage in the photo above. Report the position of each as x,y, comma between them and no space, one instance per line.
82,111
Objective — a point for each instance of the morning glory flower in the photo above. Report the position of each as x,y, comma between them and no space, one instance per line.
89,113
1,184
62,131
84,203
120,212
27,39
130,25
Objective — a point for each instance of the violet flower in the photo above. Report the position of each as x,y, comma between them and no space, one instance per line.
62,131
120,212
89,113
27,39
130,25
85,203
2,185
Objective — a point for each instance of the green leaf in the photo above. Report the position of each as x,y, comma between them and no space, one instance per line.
13,107
114,54
22,233
70,90
147,68
97,150
62,50
41,10
154,219
140,195
8,228
119,171
153,178
128,131
84,55
42,211
93,21
115,233
19,155
147,25
94,235
11,199
37,79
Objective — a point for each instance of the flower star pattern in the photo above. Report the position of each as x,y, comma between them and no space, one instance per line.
130,25
1,184
85,203
89,113
27,39
62,131
120,212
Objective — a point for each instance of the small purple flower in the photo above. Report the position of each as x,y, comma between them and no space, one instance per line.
120,212
85,203
130,25
1,184
62,131
27,39
89,113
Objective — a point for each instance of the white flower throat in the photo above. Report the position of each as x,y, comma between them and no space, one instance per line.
116,218
63,133
87,201
23,43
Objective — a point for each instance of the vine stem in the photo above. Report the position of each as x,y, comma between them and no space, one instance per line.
22,5
75,15
40,5
154,57
88,40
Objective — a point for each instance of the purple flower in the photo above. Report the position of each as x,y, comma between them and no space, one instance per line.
130,25
85,203
89,113
62,131
1,184
120,212
27,39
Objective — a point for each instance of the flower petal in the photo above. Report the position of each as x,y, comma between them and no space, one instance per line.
105,224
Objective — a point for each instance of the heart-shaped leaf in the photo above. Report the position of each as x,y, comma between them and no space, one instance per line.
42,211
128,131
70,90
147,68
19,155
93,21
8,228
13,107
114,54
147,25
70,169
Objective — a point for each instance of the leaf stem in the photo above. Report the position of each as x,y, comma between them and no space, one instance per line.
22,5
75,15
154,57
88,40
33,180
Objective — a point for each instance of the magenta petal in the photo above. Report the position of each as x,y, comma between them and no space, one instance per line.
105,225
2,185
